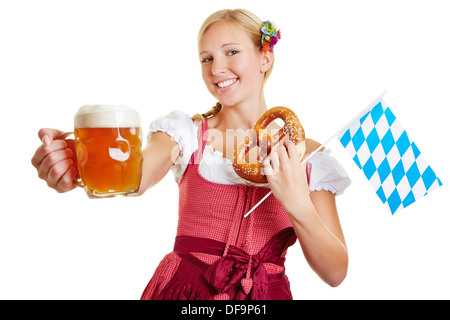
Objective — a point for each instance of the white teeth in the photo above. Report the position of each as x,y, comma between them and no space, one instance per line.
226,83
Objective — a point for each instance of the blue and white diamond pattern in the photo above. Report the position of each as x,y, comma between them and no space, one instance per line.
390,160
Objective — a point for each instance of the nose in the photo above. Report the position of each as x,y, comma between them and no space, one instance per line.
218,66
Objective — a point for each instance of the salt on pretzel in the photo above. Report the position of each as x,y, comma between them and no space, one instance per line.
260,138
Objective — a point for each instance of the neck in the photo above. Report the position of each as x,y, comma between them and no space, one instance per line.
241,116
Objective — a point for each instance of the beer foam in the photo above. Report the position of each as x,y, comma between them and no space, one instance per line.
106,116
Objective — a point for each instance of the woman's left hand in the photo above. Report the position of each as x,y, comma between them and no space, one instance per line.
287,176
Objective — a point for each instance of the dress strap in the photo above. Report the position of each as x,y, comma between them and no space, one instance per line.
202,138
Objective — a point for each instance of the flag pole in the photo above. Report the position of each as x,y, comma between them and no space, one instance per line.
304,160
358,116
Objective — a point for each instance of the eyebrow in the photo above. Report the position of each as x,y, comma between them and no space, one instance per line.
223,46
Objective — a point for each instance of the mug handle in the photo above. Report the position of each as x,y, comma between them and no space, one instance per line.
70,136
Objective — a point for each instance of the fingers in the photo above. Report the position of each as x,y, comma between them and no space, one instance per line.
285,156
43,151
58,170
291,149
61,176
53,161
285,152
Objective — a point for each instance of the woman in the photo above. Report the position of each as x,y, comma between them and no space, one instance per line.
219,254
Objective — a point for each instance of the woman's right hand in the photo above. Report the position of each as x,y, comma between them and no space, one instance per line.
55,160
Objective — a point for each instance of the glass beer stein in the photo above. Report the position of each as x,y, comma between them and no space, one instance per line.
108,143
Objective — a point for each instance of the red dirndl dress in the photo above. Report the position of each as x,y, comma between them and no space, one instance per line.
219,254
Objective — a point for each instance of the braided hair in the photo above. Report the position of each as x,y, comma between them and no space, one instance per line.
209,114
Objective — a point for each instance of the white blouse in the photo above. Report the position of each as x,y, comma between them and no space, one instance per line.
325,172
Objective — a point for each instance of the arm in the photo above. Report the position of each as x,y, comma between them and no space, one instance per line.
54,160
159,155
320,235
313,216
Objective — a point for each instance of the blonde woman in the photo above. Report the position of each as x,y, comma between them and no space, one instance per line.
219,254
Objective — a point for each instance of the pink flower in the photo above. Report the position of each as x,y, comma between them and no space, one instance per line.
273,41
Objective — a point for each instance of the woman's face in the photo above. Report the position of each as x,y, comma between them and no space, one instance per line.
231,64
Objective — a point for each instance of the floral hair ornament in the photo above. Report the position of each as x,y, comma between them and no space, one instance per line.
270,36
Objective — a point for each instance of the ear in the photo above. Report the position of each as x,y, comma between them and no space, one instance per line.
266,61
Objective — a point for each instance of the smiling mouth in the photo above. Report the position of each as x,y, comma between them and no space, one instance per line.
226,83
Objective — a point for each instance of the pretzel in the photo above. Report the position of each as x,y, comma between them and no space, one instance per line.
260,138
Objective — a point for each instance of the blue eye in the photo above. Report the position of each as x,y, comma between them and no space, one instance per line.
232,52
206,60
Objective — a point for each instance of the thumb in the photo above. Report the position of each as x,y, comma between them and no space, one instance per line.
268,170
48,135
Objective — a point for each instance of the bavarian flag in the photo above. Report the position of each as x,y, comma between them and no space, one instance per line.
389,159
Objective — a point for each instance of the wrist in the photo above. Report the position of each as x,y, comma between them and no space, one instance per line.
301,209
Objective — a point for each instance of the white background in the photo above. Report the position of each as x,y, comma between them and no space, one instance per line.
335,57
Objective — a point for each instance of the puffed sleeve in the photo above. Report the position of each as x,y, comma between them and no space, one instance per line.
183,131
327,174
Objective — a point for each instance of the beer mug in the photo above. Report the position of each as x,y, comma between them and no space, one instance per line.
108,144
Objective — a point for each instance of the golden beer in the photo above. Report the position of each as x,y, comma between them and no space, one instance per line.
108,142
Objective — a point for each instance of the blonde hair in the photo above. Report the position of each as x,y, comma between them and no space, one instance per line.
246,21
